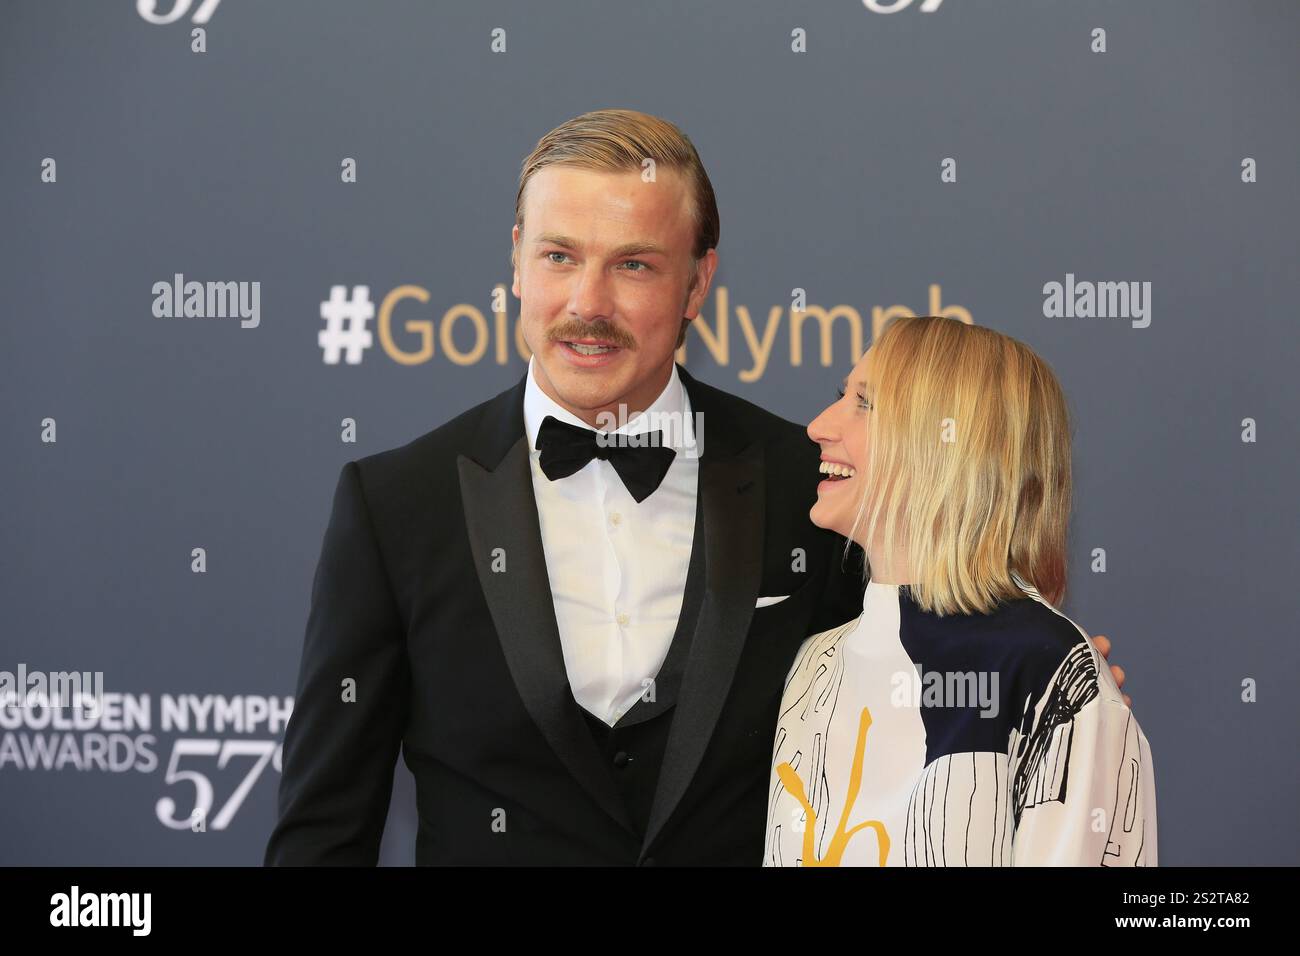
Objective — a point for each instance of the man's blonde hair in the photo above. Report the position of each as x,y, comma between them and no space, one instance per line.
969,463
620,141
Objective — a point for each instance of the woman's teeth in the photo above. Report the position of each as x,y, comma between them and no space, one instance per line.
836,470
590,349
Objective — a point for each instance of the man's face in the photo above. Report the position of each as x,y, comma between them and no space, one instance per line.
603,275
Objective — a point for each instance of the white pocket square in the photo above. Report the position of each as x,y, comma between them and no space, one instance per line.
765,601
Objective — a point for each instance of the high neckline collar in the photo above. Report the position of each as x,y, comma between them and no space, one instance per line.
878,593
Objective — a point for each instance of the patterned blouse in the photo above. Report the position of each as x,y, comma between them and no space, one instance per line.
910,739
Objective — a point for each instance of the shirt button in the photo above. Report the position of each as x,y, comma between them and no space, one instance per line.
615,518
622,620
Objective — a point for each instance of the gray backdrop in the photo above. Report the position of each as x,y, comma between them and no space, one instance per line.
173,434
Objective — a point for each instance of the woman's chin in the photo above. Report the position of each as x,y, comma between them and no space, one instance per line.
817,514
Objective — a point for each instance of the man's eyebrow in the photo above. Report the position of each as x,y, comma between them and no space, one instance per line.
639,248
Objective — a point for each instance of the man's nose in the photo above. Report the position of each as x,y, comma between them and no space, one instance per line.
591,297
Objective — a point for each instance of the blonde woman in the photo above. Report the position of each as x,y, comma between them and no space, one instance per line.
961,720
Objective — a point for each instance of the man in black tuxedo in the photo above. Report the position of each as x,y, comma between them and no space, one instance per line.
446,618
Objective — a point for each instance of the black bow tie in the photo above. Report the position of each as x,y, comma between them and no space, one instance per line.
567,448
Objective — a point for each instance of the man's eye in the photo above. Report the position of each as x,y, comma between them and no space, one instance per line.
637,262
562,255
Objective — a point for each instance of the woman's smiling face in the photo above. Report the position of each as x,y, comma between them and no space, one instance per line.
843,431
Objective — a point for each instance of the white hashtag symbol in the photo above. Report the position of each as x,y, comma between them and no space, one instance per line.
345,324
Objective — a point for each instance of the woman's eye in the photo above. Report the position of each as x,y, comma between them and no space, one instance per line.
862,399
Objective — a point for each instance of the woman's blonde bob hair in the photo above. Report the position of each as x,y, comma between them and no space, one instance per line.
968,464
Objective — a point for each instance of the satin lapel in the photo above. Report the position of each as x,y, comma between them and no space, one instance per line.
732,496
501,513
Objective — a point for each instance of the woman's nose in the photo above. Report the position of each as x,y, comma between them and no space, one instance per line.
820,429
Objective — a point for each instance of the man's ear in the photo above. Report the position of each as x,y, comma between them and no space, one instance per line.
514,258
705,266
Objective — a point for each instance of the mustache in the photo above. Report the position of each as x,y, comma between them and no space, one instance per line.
601,329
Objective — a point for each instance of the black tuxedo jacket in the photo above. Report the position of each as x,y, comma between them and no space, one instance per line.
432,631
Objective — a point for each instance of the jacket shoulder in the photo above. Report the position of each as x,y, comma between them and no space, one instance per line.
454,435
425,467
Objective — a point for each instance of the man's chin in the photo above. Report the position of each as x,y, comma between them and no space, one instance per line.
585,388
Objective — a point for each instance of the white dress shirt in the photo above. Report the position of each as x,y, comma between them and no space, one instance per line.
617,568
